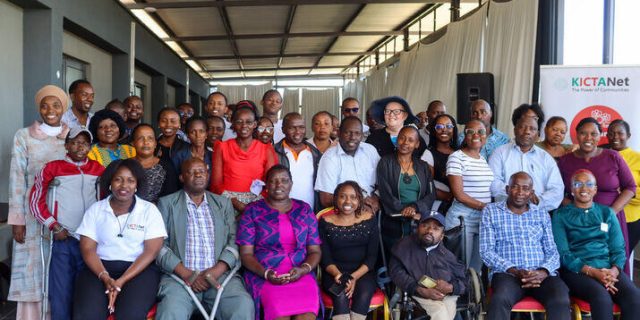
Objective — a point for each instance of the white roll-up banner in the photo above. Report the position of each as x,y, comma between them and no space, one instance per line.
606,93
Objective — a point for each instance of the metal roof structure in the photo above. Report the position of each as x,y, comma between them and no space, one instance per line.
260,39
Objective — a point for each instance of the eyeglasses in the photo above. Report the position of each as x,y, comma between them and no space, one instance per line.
350,110
396,112
262,129
470,132
241,122
188,114
440,126
588,184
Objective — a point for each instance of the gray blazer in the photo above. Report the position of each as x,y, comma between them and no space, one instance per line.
174,213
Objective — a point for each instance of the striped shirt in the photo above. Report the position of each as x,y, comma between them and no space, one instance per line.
524,241
476,175
199,247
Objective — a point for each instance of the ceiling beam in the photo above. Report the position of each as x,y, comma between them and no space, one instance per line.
344,29
286,55
276,69
287,30
227,27
280,78
253,3
286,35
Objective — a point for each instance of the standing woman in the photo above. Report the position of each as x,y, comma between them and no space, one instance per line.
349,252
159,174
196,130
406,188
442,143
120,238
394,113
239,162
280,248
33,147
470,178
616,186
168,141
107,127
618,134
321,126
554,132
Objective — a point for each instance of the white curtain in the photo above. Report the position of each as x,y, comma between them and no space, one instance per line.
509,55
396,84
374,87
432,75
291,101
315,100
233,93
254,93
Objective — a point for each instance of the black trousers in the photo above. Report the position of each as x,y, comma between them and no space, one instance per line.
601,301
365,287
134,301
634,234
507,291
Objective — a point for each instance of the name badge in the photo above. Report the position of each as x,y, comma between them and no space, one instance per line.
604,227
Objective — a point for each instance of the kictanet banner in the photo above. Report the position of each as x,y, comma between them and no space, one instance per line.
606,93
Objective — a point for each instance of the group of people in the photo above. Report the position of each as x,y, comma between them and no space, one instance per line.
133,216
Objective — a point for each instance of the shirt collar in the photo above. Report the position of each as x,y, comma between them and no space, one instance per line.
515,146
79,164
503,206
189,201
342,152
431,248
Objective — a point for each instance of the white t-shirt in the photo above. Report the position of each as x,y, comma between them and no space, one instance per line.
277,132
101,225
476,175
302,172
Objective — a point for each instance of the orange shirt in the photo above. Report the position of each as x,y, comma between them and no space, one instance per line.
234,169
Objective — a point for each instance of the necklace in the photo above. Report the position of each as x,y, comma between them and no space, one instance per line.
406,178
120,227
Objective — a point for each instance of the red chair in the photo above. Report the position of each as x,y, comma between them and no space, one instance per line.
580,306
151,315
378,300
525,305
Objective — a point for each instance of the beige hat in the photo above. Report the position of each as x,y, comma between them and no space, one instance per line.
51,90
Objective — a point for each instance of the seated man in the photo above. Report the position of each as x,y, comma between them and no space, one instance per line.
351,159
516,243
423,254
200,249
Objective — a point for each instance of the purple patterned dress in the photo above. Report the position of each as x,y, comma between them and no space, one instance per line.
260,226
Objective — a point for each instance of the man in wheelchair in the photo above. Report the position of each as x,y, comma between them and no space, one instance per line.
421,266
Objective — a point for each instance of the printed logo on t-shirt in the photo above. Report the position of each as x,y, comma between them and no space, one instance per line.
135,226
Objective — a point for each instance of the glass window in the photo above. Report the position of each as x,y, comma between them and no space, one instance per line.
74,69
583,32
626,26
443,15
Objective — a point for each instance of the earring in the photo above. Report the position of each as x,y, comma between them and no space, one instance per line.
136,191
109,187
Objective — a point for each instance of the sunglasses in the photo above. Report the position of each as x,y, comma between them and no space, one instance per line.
396,112
188,114
263,129
470,132
440,126
588,184
350,110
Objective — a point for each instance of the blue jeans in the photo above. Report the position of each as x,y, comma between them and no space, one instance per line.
471,232
66,263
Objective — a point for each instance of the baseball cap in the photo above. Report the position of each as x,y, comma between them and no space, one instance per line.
75,131
435,215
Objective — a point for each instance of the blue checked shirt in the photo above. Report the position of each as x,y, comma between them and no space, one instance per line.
199,247
524,241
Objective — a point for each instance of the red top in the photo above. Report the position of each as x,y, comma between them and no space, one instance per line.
234,169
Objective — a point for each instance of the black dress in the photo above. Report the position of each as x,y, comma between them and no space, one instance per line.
349,247
381,140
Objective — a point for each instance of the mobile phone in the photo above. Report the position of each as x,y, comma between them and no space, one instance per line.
427,282
337,289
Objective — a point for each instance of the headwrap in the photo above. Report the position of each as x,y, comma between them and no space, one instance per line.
51,90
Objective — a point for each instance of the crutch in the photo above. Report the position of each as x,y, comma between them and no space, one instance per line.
203,311
46,260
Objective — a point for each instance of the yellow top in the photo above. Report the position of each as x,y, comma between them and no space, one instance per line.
106,156
632,158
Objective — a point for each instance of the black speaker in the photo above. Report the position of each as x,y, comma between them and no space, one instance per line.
471,87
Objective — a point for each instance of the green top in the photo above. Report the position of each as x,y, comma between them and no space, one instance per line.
588,236
408,192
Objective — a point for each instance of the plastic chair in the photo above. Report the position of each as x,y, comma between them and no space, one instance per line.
526,305
580,307
378,300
